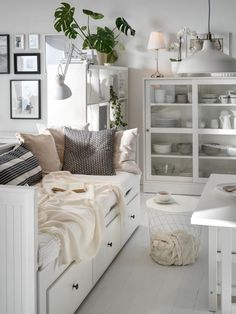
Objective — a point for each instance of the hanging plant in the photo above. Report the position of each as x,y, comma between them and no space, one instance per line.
116,110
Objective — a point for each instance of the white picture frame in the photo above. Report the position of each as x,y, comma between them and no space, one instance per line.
25,96
33,41
19,41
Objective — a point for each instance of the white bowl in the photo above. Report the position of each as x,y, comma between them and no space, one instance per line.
231,150
162,148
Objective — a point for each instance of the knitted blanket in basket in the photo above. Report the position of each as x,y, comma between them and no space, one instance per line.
176,248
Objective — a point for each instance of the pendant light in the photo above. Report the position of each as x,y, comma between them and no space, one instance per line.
209,60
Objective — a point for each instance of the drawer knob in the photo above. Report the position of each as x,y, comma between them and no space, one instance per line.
109,244
132,216
75,286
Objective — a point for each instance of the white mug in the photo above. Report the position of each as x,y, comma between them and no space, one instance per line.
223,99
214,124
163,196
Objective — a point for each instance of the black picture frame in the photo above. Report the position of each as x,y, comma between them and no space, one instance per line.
4,54
27,63
25,99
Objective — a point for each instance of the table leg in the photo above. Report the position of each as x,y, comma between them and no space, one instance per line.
226,271
212,269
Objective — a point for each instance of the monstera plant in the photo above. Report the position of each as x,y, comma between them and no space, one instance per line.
104,40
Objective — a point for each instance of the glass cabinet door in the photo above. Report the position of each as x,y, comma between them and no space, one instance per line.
169,122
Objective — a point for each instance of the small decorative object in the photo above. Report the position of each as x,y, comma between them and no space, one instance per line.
234,118
25,99
104,40
27,63
225,119
19,41
116,111
156,42
33,41
4,54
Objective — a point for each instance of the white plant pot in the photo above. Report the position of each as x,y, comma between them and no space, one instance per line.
175,67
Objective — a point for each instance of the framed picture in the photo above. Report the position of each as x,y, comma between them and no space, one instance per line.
19,41
4,54
33,41
27,63
25,99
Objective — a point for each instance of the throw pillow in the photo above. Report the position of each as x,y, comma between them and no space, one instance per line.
19,167
44,149
89,152
125,151
58,135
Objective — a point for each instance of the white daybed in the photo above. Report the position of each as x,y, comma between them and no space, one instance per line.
31,281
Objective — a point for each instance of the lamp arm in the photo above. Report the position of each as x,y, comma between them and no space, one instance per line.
68,60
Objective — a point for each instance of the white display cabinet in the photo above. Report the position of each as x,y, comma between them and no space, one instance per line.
185,139
90,85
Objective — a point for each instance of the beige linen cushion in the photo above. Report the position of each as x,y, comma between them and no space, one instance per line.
58,133
43,148
125,151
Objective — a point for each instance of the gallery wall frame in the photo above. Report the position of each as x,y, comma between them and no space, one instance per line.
4,53
19,41
25,99
27,63
33,41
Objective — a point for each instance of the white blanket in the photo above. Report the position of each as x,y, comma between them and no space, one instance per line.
176,248
77,219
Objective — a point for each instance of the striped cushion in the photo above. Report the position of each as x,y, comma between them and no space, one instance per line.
19,167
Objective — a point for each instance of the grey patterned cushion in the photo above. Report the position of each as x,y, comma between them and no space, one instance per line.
89,152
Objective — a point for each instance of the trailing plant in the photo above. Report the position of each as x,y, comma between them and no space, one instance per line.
116,110
104,40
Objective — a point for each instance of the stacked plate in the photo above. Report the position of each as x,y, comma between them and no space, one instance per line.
163,122
209,98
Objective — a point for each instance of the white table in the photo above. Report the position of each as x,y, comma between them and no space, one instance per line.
218,210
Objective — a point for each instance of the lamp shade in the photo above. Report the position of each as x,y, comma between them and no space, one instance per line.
62,91
208,60
156,41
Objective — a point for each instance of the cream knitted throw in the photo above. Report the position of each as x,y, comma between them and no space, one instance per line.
76,219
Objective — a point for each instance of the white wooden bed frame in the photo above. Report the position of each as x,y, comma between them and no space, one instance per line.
54,290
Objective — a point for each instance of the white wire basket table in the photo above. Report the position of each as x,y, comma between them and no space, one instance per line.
173,240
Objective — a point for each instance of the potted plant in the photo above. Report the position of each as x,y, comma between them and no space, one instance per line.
116,113
182,36
104,40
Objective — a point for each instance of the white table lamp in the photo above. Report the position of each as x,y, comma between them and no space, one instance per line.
156,42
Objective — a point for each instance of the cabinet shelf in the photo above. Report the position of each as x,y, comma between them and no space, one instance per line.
174,155
222,157
172,130
217,131
171,104
217,105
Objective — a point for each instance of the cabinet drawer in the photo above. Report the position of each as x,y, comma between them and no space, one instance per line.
70,289
131,219
109,249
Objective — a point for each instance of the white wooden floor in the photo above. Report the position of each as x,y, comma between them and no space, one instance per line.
135,284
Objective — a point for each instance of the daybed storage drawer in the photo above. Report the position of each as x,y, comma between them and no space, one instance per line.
109,249
70,289
131,219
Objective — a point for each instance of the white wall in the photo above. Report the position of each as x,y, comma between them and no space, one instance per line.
33,16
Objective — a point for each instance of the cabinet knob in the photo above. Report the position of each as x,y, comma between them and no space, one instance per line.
132,216
147,130
109,244
75,286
